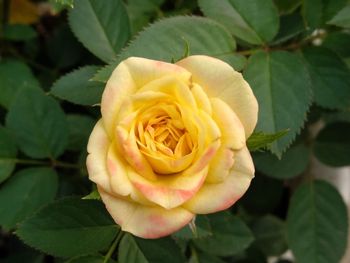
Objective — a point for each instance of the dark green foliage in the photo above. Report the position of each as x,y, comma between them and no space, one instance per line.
318,216
294,54
69,227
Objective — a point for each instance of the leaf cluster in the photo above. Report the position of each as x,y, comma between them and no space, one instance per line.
294,54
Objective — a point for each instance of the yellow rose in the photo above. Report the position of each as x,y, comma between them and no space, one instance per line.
171,142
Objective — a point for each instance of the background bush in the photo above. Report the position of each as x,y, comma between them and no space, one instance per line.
55,59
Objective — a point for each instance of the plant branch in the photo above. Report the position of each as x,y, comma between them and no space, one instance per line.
113,246
53,163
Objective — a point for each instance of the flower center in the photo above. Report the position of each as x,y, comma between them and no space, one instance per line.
160,130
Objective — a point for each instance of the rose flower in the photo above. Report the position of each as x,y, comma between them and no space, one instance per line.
171,142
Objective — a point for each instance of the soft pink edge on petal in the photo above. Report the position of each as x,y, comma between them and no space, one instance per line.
145,221
215,197
174,190
130,75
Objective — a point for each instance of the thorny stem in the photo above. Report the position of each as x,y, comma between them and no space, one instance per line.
113,246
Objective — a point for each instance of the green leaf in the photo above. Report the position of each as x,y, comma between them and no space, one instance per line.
77,87
141,11
60,5
66,2
230,235
317,224
312,12
259,140
287,6
330,77
270,235
8,152
18,32
255,22
202,229
332,144
293,162
38,124
271,76
342,18
318,12
94,194
24,193
14,76
137,250
331,8
291,26
69,227
79,127
165,40
101,26
89,259
339,42
202,257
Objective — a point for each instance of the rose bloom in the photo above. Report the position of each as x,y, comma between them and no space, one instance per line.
171,142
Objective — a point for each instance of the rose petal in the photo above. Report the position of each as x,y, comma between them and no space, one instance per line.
177,88
128,146
145,221
220,165
216,197
118,171
130,75
232,130
96,161
201,98
218,79
171,191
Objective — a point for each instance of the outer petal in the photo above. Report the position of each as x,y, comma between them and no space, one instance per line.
130,75
232,131
216,197
145,221
118,171
96,161
220,165
218,79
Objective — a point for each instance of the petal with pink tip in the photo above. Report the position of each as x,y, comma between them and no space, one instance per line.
172,190
220,196
130,75
128,146
96,161
118,171
218,79
145,221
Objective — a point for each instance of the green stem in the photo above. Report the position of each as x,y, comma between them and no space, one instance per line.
193,252
34,162
248,51
113,246
53,163
65,165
